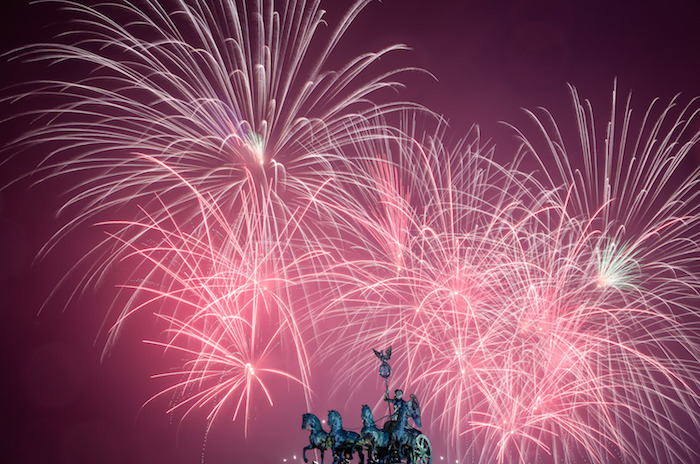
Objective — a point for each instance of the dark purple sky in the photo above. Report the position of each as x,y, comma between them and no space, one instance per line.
62,405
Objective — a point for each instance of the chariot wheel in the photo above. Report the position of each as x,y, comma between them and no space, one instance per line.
422,451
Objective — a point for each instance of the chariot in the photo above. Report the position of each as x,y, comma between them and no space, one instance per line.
395,442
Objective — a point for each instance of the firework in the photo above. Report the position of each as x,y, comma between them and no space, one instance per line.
547,318
539,315
206,134
226,94
226,296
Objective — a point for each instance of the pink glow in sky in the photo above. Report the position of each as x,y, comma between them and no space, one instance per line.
534,317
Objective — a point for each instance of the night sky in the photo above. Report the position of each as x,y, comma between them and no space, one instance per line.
63,402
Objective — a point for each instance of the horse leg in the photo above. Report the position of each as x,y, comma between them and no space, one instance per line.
336,455
304,452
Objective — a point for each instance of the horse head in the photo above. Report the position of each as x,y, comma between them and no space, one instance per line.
367,417
310,422
334,420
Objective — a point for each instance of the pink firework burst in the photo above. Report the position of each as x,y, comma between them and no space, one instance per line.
545,315
233,96
540,320
231,294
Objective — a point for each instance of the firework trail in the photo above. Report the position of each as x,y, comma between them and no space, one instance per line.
226,94
227,299
540,315
624,284
548,318
217,122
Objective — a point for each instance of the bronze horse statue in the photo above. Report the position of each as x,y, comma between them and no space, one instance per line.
318,438
395,442
376,440
344,443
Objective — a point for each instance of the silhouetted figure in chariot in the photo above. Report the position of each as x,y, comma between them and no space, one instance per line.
409,408
401,435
